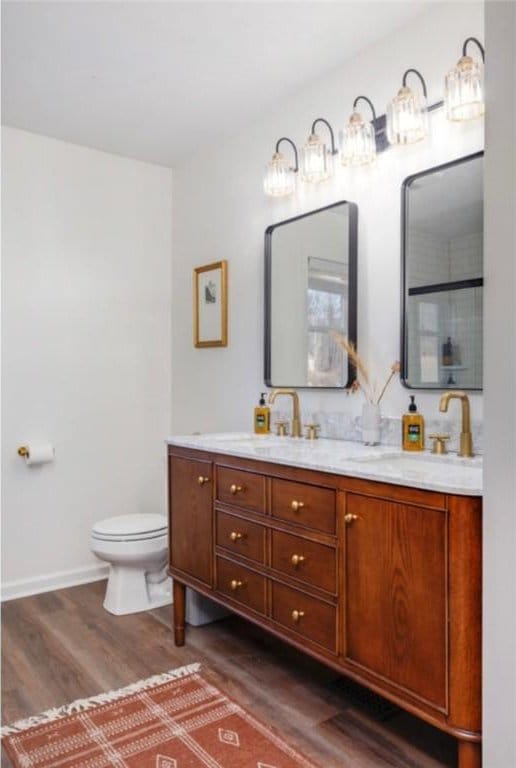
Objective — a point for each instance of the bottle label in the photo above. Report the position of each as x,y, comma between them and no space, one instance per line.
260,420
413,433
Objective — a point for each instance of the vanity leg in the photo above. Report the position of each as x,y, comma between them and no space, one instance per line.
470,754
179,612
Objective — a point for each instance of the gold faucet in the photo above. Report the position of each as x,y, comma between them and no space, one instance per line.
296,418
466,438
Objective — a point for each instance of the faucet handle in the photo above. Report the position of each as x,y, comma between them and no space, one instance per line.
439,443
312,430
282,428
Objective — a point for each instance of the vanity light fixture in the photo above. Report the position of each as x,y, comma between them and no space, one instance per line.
464,86
407,114
316,157
358,138
280,177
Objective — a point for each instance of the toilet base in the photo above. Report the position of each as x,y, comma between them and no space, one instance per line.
131,590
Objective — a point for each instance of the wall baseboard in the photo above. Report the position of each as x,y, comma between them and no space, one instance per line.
50,581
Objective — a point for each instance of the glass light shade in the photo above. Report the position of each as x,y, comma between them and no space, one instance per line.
316,161
358,143
280,178
407,118
464,90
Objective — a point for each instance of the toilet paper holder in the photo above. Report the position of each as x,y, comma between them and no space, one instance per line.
23,451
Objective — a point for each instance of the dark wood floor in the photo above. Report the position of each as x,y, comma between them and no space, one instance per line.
62,645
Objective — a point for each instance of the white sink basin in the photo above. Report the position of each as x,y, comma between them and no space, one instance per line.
424,462
244,438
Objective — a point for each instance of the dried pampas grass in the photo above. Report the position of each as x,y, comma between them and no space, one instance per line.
363,381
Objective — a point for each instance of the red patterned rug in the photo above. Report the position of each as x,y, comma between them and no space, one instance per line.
175,720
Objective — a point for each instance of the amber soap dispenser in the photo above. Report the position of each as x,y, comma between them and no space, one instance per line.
413,428
262,417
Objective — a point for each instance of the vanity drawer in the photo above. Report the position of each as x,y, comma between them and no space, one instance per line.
305,504
305,560
315,620
241,488
241,536
240,584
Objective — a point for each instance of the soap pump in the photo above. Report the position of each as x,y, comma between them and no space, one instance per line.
413,428
262,417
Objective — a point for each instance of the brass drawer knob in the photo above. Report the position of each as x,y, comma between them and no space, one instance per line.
297,559
235,488
296,505
349,518
297,616
236,535
203,480
235,584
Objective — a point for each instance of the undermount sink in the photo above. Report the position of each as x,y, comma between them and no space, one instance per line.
422,463
249,439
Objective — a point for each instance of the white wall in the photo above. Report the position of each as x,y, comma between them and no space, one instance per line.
222,213
500,392
86,349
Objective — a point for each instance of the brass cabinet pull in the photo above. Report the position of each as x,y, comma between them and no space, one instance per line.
235,584
236,536
297,559
235,488
296,505
202,480
297,615
349,518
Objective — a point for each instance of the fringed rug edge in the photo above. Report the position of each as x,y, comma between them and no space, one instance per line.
80,705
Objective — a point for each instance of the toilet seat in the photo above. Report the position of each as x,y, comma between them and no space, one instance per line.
130,528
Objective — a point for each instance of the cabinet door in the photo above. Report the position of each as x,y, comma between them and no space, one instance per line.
396,595
191,502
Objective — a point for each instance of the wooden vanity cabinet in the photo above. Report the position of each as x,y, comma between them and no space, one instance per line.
190,525
380,582
396,612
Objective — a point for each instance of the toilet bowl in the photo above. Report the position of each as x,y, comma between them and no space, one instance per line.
136,547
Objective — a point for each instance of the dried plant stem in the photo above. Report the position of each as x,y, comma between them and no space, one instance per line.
393,372
370,391
356,362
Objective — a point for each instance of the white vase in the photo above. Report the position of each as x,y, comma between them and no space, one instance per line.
370,423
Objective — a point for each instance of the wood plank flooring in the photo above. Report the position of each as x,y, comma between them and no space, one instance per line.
62,645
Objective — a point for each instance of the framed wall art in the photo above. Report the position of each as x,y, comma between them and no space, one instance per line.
211,305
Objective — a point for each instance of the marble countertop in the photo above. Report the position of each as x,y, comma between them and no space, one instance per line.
447,474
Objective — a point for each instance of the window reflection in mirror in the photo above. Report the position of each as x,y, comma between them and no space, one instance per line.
310,290
442,280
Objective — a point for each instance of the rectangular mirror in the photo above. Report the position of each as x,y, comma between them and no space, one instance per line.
442,276
310,290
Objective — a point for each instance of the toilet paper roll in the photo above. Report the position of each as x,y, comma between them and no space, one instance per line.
39,453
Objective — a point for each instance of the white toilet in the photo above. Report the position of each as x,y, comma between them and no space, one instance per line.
136,547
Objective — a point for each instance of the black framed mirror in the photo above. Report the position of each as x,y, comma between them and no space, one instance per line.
442,276
311,290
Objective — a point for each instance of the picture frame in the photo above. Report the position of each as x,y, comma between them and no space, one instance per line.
211,305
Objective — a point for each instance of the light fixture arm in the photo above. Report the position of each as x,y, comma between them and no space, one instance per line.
332,137
422,79
364,98
477,43
285,138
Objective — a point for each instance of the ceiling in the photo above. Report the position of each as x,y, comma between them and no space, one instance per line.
157,80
